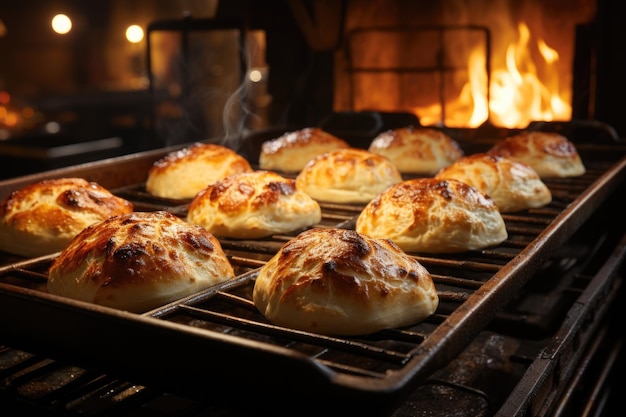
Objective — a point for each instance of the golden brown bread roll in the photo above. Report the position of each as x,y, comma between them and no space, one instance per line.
138,261
433,216
338,282
183,173
417,150
549,154
513,185
291,151
252,205
347,175
41,218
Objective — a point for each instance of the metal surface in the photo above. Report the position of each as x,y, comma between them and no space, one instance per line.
556,374
217,335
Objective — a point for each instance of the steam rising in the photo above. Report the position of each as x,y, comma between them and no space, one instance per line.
207,90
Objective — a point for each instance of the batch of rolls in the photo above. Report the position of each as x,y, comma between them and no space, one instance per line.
325,280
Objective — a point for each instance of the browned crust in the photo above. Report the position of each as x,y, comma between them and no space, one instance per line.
237,194
337,281
71,197
138,261
301,139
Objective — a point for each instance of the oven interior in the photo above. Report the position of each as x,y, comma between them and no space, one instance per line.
228,69
526,328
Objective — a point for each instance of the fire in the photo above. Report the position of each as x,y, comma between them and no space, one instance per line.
518,95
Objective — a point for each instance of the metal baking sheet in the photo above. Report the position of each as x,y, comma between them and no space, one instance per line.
214,345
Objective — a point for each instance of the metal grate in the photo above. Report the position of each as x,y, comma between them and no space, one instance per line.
218,333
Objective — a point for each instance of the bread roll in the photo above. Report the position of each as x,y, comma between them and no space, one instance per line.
347,175
549,154
417,150
338,282
41,218
513,185
253,205
434,216
183,173
138,261
291,151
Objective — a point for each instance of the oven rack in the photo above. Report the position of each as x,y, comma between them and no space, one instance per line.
217,334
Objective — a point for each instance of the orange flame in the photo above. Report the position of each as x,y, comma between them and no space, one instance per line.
517,94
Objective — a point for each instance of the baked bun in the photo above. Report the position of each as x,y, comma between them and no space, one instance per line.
513,185
549,154
347,175
417,150
338,282
138,261
433,216
253,205
183,173
291,151
43,217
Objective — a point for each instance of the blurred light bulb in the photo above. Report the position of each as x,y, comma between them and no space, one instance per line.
255,76
61,24
134,34
52,127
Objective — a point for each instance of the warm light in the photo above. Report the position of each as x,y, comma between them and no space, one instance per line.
11,119
28,112
477,90
255,76
517,95
549,54
5,97
61,24
134,34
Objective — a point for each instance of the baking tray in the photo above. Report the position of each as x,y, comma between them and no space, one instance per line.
215,346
